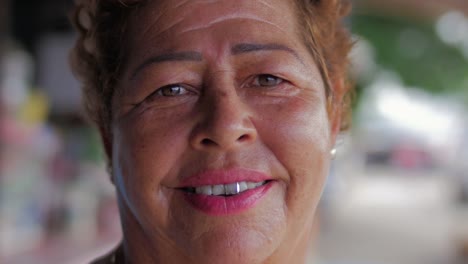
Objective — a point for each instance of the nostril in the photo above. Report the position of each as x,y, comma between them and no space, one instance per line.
210,142
243,138
207,142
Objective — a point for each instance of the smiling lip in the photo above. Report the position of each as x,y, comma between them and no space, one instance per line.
223,205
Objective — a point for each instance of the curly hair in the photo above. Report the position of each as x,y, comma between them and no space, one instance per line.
98,55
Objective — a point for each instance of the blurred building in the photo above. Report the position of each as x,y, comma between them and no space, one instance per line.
56,200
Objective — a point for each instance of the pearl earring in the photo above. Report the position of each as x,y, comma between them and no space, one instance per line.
111,173
333,153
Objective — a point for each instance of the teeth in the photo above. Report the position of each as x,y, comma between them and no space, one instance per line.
243,186
232,188
258,184
250,185
227,189
204,190
218,189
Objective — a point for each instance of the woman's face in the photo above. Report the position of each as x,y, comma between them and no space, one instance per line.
221,137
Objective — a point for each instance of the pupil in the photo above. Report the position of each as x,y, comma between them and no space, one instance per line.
173,90
267,80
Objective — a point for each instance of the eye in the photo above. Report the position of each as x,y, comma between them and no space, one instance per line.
267,80
171,90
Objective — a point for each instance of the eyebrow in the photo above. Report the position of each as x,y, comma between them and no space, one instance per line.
251,47
171,56
197,56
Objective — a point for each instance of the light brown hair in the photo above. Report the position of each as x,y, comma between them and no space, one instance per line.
99,53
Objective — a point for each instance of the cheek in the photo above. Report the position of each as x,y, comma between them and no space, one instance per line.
147,146
297,131
298,134
144,154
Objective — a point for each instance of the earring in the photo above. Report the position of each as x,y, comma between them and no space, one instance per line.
333,153
110,172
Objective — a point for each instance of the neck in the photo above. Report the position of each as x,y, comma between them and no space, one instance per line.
143,246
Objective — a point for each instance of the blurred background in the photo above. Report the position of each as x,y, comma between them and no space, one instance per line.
397,192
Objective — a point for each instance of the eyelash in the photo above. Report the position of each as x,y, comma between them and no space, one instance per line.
277,80
257,82
161,90
160,93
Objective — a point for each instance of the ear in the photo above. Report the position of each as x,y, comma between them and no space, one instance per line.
106,137
335,108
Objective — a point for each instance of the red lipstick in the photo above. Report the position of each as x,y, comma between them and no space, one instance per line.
226,203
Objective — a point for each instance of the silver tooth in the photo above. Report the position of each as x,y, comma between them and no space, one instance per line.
227,189
242,186
232,188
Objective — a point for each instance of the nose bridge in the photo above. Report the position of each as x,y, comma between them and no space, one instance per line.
226,108
225,119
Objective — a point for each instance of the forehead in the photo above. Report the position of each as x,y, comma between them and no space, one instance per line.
167,20
172,12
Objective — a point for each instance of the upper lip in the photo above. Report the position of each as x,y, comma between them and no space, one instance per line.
224,176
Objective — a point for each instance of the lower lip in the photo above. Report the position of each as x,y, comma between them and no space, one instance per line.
224,205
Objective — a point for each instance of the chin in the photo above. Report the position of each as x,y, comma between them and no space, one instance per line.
249,237
237,246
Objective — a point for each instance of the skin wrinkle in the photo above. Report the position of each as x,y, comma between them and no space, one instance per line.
128,106
230,16
265,233
308,99
149,27
172,56
169,242
225,19
316,81
129,225
161,31
157,18
169,57
328,17
267,4
177,22
250,47
182,3
293,123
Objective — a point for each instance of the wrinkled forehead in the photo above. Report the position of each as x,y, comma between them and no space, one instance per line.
180,16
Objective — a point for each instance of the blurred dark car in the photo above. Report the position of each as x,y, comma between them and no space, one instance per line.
401,155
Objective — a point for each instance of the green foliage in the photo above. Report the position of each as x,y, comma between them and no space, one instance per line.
414,51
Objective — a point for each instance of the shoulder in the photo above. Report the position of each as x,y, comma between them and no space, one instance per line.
109,258
106,259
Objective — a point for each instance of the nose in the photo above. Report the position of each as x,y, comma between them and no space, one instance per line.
225,123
